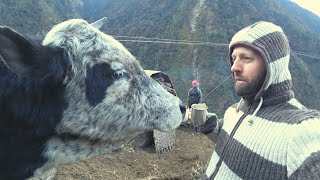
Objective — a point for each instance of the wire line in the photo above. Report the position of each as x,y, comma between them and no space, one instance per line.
217,87
200,43
140,39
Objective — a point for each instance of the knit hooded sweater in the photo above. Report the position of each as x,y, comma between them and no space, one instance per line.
272,135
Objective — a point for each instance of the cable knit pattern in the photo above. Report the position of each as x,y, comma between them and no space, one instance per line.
282,141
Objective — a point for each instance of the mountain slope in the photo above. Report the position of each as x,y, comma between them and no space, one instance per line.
34,16
210,21
302,15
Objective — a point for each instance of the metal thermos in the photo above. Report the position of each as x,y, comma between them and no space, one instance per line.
198,113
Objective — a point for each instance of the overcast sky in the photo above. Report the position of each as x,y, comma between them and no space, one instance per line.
311,5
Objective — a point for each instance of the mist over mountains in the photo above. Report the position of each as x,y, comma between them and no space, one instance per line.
203,28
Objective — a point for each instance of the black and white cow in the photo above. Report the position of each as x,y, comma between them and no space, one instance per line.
77,95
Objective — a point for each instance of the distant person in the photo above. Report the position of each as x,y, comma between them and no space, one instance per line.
194,94
268,134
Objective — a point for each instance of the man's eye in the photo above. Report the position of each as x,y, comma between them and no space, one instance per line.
247,59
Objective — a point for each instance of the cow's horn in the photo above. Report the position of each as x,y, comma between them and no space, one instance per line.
98,24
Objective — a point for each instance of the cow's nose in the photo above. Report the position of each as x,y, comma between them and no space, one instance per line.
182,109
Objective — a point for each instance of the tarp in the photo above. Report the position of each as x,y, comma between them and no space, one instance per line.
164,141
163,79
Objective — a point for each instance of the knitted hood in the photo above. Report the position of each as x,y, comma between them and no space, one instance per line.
271,42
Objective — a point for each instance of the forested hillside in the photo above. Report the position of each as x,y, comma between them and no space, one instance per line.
215,22
33,17
204,28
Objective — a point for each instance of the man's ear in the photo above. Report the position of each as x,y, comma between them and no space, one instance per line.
17,51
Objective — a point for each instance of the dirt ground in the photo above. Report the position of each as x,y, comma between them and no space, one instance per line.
186,161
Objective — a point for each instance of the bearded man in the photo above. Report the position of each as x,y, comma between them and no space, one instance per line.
268,134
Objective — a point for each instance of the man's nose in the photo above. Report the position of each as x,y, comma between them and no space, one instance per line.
236,67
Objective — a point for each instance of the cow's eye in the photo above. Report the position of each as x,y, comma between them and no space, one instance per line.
118,75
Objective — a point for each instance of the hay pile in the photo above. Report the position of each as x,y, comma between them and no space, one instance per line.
186,161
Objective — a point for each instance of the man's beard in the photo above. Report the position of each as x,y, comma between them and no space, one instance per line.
250,89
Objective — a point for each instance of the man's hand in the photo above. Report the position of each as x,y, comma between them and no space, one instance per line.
210,124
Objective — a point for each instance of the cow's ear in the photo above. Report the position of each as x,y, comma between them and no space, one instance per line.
17,51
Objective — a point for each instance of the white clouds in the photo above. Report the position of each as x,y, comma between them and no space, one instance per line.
311,5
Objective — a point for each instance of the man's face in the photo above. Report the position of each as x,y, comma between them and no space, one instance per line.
249,71
194,84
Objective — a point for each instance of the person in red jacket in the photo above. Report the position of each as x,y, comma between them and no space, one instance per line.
194,94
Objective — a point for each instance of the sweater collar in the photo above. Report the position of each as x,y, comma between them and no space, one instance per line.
275,94
278,93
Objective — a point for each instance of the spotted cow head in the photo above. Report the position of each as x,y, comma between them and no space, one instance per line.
107,97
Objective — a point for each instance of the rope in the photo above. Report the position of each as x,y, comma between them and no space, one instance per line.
217,87
200,43
299,95
175,42
305,54
141,39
